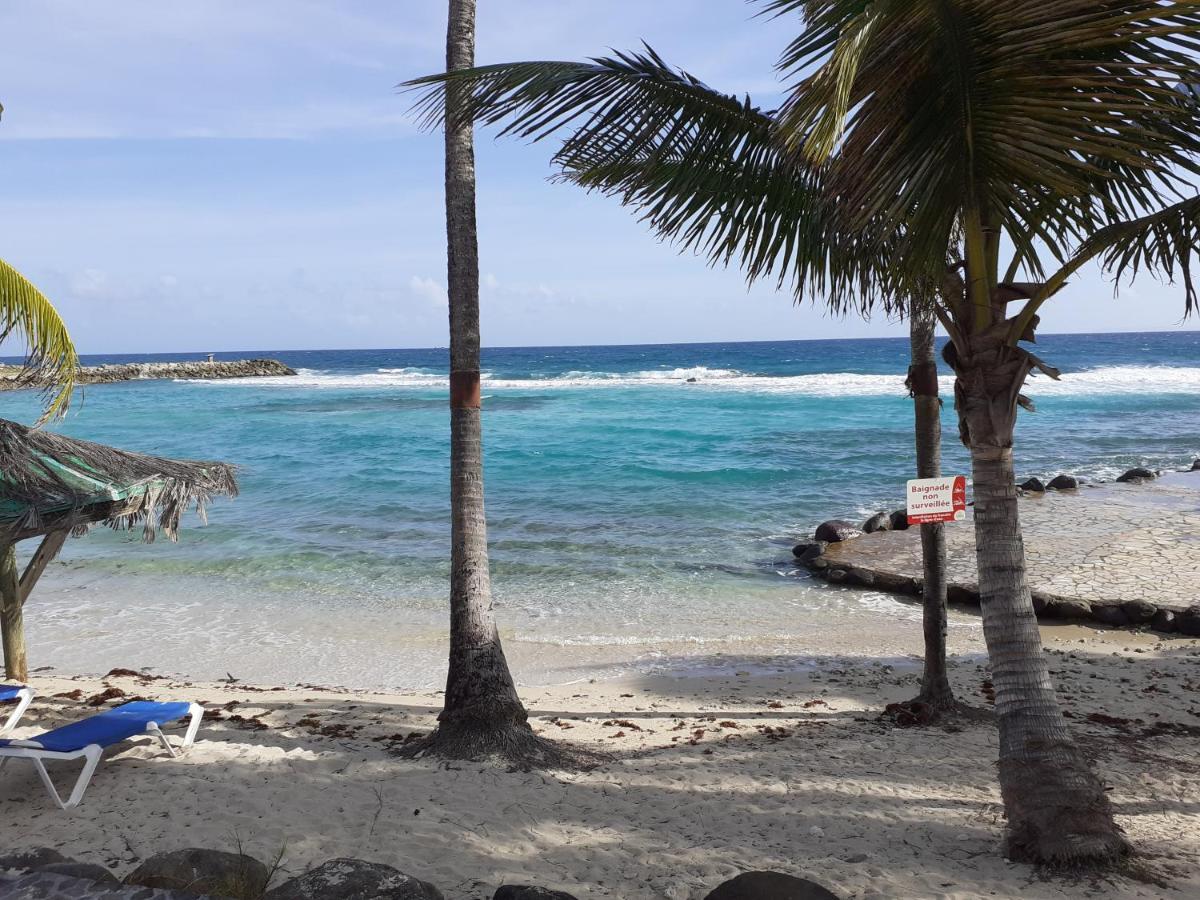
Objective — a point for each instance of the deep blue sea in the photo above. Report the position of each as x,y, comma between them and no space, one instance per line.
634,515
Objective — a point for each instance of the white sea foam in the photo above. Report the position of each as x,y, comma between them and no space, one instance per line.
1103,381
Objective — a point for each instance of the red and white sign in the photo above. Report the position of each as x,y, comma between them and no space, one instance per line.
937,500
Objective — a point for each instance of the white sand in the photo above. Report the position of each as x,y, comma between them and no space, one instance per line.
711,776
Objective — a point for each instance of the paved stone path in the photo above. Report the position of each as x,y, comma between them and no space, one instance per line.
1105,545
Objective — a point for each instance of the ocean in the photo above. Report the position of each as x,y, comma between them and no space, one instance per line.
638,519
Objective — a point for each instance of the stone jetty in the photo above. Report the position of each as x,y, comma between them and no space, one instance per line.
1117,554
199,369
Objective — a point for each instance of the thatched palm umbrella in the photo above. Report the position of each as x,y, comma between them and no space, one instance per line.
52,486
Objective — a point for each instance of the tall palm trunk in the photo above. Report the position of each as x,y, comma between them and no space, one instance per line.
923,385
1057,808
482,708
482,715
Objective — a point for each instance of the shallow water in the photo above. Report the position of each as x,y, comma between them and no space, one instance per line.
635,517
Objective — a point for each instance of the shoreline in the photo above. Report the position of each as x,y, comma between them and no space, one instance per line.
710,775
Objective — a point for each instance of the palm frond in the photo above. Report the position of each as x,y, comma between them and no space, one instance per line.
923,105
51,361
705,170
1165,243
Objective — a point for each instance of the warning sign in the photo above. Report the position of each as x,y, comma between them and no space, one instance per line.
937,500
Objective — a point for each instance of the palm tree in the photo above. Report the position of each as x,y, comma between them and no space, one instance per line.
936,693
922,140
482,715
52,364
51,361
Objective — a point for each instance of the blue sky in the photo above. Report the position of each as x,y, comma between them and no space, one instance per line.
218,174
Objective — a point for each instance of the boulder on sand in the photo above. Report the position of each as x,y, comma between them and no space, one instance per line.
1196,466
32,859
199,871
1063,483
836,530
1164,620
86,871
1139,611
900,520
770,886
1109,614
353,879
1136,475
806,553
1033,485
1188,621
878,522
526,892
1069,608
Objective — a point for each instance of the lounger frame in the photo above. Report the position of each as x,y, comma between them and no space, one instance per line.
91,754
24,698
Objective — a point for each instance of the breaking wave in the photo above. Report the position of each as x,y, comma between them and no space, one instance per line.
1103,381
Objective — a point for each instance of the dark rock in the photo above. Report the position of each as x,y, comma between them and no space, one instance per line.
960,593
864,577
198,871
837,575
1139,611
691,380
32,859
878,522
525,892
770,886
819,563
899,520
1165,621
1034,485
1110,615
1188,621
353,879
43,885
87,871
1136,476
836,530
806,553
1039,603
1063,483
1069,608
1196,466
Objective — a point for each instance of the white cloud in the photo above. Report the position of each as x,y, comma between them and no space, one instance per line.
429,290
90,283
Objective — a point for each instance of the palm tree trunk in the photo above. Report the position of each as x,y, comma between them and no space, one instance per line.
1057,808
12,623
923,384
482,715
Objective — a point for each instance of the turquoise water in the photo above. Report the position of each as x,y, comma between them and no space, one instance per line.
634,516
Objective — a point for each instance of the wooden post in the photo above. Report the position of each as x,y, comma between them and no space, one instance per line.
12,623
46,551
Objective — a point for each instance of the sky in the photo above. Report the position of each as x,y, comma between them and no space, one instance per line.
223,175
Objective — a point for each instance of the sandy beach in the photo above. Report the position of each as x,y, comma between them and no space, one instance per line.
755,768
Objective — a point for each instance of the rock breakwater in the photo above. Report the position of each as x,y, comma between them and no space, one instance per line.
199,369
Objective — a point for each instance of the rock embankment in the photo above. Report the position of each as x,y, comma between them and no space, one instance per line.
1119,555
200,369
46,874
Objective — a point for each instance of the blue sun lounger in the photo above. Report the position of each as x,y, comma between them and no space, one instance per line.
23,697
87,739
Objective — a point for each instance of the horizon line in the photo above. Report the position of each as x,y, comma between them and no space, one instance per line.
260,350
